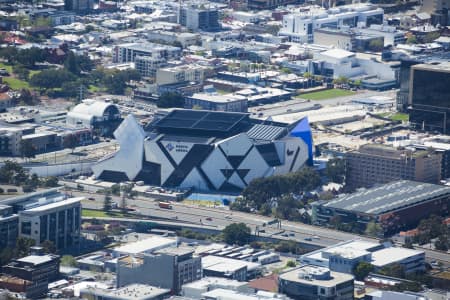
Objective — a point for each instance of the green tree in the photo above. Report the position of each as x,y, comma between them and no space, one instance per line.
107,203
169,100
71,64
411,40
70,141
26,97
51,181
23,245
287,208
6,254
376,45
236,233
393,270
51,78
335,170
21,71
362,269
374,229
68,261
442,243
291,264
48,246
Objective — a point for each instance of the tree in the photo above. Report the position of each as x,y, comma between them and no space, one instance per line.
340,80
287,208
27,148
236,233
71,64
23,245
51,181
26,97
374,229
68,261
48,246
21,71
107,203
376,45
362,269
169,100
6,254
393,270
70,141
411,40
442,243
335,170
51,78
291,264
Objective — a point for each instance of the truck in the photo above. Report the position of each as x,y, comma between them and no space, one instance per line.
165,205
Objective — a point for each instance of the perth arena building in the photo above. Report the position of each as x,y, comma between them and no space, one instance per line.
206,150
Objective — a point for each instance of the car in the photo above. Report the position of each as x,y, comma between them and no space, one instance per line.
316,237
91,198
291,234
308,238
285,234
208,219
175,217
228,217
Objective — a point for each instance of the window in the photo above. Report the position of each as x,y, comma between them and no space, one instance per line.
26,228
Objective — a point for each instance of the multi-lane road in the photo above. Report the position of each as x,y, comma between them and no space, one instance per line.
220,217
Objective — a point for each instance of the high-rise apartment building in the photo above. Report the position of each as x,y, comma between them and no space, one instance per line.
376,164
429,100
200,18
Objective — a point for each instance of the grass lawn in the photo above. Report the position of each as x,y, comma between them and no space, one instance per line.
326,94
15,84
91,213
6,67
396,116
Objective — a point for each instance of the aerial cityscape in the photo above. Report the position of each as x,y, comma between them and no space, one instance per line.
225,150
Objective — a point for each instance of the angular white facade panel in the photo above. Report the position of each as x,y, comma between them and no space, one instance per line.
213,165
128,159
256,165
154,154
236,145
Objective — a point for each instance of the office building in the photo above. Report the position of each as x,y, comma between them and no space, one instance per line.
79,5
10,138
429,100
145,246
299,27
240,270
36,271
345,256
129,292
9,227
200,18
195,289
124,53
177,74
376,164
396,206
268,4
312,283
56,221
148,66
216,102
206,150
168,268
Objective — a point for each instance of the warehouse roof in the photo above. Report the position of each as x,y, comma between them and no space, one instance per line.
389,197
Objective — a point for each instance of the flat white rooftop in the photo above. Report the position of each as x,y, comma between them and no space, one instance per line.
224,264
56,204
391,255
151,244
36,259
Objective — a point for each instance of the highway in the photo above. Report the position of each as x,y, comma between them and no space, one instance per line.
221,217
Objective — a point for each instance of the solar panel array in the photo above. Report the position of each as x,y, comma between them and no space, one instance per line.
201,120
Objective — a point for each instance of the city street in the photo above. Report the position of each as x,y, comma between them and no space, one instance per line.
221,217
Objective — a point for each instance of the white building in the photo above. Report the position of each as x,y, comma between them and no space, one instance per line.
54,219
177,74
312,282
224,294
195,289
146,246
300,26
344,256
98,115
128,52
